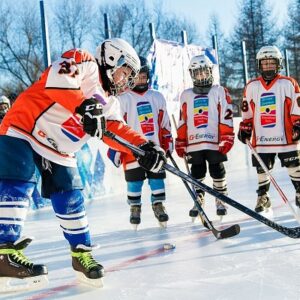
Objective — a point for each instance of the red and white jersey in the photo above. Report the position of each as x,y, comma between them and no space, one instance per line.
147,114
204,118
44,114
272,109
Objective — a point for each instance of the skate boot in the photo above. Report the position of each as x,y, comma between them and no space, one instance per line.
221,208
87,270
263,203
17,273
135,215
160,214
193,213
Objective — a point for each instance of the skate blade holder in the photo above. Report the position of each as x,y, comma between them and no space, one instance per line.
11,284
97,283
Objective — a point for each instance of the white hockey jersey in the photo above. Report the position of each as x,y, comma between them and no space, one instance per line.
272,109
204,118
147,114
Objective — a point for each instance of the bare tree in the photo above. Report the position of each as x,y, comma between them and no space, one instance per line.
73,20
20,46
292,37
131,20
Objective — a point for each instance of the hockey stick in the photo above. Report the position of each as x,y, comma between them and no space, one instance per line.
281,193
290,232
219,234
191,190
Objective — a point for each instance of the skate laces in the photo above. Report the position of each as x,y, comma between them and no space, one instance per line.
86,259
17,256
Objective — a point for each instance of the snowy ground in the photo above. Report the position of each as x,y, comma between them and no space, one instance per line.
259,263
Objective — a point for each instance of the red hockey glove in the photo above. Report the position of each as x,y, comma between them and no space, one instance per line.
245,131
180,147
167,144
296,131
226,143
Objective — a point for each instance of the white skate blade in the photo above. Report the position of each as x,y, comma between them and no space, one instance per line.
135,227
193,219
10,284
97,283
163,225
268,213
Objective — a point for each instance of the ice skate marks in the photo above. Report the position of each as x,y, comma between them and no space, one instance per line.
268,110
200,111
145,116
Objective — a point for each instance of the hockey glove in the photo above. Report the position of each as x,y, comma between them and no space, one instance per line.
167,144
226,143
115,157
180,147
154,158
245,132
93,120
296,131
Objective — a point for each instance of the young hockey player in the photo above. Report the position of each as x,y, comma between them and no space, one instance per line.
271,115
145,111
205,128
4,106
48,122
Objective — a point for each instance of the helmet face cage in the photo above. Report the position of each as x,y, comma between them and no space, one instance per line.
204,81
114,54
201,71
267,53
145,69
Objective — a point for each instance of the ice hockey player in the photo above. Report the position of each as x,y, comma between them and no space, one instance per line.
50,121
271,115
205,128
4,106
145,111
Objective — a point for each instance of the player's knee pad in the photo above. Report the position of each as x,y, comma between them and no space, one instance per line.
134,192
217,171
70,211
14,202
158,190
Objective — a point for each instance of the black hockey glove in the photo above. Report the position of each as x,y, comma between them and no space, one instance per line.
245,131
93,120
154,158
296,131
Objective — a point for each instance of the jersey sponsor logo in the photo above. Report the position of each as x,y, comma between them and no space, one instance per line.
201,136
271,139
268,110
145,116
200,111
73,129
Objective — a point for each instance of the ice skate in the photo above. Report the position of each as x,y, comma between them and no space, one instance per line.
160,214
193,213
135,215
263,203
221,209
87,269
17,273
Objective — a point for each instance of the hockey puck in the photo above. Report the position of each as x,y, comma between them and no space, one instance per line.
169,246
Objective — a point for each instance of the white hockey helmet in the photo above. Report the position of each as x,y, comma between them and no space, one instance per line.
115,53
4,106
269,52
201,63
